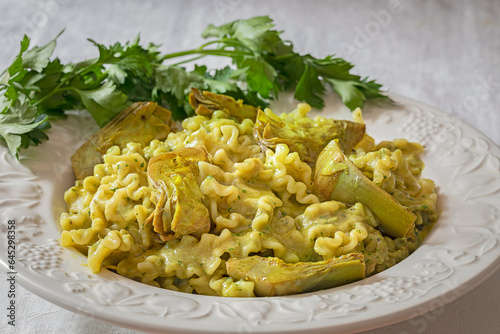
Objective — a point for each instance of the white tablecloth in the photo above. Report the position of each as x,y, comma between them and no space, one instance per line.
445,53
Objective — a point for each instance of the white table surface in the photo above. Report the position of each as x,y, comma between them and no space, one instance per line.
444,53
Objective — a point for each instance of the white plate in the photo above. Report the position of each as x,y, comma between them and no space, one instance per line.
460,253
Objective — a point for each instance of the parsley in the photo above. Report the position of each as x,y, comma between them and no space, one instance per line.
37,88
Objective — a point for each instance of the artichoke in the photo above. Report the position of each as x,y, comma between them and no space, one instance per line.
273,277
140,123
205,103
305,136
337,178
179,202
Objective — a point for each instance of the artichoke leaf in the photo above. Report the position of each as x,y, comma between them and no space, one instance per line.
273,277
140,123
179,202
305,136
337,178
205,103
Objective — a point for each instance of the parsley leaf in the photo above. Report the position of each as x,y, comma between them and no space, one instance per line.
20,125
103,103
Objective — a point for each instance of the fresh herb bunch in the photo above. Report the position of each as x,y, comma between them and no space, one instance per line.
36,88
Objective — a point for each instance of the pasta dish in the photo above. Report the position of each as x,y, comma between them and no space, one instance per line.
243,202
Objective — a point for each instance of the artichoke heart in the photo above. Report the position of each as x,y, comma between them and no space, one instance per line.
273,277
337,178
140,123
205,103
179,202
306,136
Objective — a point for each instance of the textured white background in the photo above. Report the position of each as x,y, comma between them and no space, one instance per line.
444,53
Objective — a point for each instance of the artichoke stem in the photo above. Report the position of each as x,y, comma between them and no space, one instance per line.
337,178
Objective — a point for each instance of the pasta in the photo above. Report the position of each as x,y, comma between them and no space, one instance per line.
258,203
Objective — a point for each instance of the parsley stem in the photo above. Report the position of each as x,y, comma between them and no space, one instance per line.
49,95
57,89
188,60
223,41
208,52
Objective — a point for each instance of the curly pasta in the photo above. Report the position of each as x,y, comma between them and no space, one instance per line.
259,203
